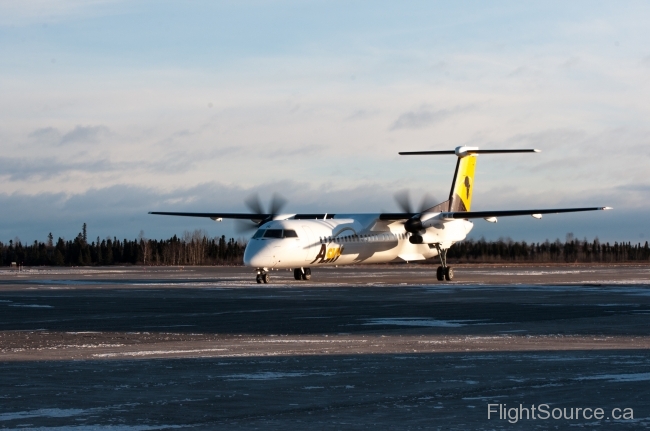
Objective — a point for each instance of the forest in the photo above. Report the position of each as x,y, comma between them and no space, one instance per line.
197,248
193,248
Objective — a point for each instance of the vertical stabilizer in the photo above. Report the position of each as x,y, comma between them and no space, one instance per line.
460,197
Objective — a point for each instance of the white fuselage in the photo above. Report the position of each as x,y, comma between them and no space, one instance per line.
346,239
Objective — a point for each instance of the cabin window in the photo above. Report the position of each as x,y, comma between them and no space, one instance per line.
290,234
259,234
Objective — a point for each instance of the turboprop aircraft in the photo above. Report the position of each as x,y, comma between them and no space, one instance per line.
303,241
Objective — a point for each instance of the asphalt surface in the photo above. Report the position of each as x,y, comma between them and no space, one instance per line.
384,347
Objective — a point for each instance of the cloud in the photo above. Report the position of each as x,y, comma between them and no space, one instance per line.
77,135
424,116
46,134
362,114
84,135
15,168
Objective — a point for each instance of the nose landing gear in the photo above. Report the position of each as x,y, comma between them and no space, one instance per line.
262,276
443,272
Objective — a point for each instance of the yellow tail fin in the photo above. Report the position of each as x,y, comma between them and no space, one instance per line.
463,187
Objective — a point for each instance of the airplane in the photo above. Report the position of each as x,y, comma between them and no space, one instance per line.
303,241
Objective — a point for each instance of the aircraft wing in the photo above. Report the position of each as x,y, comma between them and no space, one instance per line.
246,216
485,214
396,216
240,216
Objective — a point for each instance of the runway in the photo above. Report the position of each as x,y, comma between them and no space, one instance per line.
354,348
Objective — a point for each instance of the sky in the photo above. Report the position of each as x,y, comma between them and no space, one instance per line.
111,109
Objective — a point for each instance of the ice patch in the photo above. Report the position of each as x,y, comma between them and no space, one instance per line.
30,305
633,377
418,321
270,375
47,413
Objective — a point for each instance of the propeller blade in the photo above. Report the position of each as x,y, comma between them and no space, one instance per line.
254,204
245,226
277,203
404,201
428,201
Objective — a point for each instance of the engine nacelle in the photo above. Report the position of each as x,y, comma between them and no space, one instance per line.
437,231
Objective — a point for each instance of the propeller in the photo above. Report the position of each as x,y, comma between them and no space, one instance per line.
413,224
254,203
403,199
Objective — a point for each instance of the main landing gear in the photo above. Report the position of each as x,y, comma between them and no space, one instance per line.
262,276
443,272
298,273
302,273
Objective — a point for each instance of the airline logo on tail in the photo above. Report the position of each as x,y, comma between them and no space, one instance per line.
462,194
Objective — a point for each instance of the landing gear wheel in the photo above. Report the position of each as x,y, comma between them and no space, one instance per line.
440,273
449,274
266,278
297,274
307,274
258,279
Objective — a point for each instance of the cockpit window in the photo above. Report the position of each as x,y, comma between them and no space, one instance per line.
273,233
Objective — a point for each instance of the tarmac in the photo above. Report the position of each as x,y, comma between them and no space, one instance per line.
388,347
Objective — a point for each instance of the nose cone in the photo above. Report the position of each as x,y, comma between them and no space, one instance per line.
257,254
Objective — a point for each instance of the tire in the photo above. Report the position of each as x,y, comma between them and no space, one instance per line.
258,279
266,278
440,273
449,274
307,274
297,274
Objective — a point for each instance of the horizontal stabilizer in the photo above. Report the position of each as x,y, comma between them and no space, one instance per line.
464,151
488,214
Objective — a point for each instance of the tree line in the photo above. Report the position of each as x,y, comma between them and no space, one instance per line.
193,248
197,248
570,251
